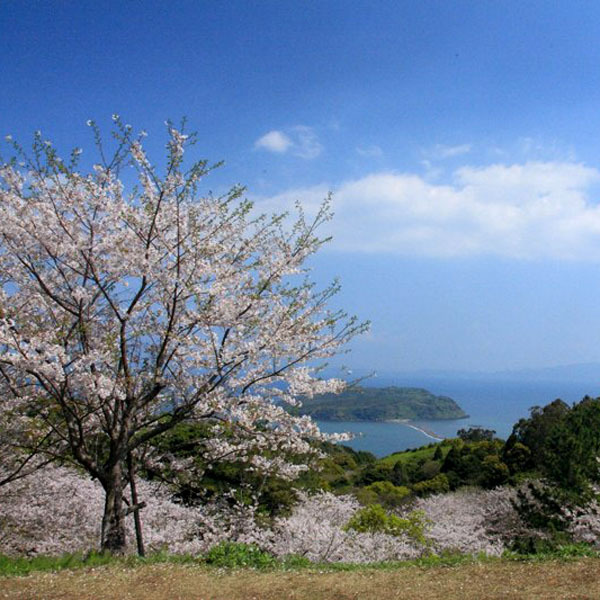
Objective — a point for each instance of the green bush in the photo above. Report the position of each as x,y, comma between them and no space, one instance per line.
365,496
440,484
295,561
517,457
494,472
233,554
375,472
374,518
557,543
383,492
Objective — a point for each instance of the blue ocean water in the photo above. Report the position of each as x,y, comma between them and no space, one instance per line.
496,405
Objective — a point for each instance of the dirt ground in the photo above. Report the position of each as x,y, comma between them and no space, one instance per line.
578,580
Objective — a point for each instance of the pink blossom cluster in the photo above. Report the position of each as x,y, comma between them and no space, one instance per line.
472,521
59,510
585,526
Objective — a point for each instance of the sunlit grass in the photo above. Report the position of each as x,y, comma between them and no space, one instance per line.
406,456
10,565
221,557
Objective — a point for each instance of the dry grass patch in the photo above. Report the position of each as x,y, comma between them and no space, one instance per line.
551,580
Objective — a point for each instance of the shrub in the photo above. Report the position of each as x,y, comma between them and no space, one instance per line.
538,544
438,485
383,492
374,519
234,554
517,457
494,472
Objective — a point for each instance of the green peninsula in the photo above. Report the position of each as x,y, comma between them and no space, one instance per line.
381,404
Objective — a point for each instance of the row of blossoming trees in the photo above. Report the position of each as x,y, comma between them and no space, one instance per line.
59,510
127,310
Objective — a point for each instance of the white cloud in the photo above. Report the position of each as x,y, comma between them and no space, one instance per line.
301,141
306,143
274,141
525,211
311,199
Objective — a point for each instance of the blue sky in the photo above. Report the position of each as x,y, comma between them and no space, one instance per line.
461,141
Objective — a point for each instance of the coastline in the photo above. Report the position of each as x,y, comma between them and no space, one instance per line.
427,432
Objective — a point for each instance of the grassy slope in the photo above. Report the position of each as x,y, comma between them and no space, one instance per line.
406,456
498,579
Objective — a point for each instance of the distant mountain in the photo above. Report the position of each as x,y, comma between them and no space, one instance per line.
587,372
574,373
381,404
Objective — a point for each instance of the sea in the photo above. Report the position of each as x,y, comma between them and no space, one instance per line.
490,404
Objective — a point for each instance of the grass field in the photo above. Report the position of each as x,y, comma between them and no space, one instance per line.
506,580
412,455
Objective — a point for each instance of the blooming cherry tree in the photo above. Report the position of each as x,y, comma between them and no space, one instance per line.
126,310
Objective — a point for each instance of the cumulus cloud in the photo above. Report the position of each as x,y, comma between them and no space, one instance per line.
274,141
301,141
525,211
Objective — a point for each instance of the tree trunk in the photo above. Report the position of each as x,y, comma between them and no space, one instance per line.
136,507
114,538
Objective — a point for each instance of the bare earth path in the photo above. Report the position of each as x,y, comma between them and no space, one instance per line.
550,580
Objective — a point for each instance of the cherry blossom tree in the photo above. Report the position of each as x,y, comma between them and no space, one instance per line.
59,511
126,310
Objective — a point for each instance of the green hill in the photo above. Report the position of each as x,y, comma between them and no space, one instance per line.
381,404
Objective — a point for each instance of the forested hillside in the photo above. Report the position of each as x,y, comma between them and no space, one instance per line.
381,404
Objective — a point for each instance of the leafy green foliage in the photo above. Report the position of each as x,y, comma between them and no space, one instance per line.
534,432
475,463
573,448
517,457
558,446
374,518
338,470
435,469
476,434
203,481
383,492
235,555
536,545
436,485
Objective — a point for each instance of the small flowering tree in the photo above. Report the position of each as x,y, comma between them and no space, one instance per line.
126,313
15,435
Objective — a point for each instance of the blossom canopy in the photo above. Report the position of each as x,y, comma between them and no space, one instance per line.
126,310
